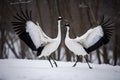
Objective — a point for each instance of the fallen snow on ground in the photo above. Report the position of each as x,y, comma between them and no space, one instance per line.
14,69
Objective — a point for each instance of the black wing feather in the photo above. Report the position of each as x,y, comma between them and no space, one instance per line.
20,28
107,27
20,17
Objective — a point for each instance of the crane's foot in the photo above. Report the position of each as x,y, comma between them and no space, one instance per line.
51,64
76,61
50,61
55,64
90,67
54,61
87,62
74,65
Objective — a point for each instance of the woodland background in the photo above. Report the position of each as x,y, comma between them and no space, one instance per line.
81,14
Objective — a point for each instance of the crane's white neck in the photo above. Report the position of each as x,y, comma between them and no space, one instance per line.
67,32
59,29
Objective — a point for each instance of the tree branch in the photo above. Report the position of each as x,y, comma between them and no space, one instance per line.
20,2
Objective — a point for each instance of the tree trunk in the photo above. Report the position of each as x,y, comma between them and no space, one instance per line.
98,56
105,55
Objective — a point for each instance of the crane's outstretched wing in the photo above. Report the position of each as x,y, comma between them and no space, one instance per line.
96,37
28,31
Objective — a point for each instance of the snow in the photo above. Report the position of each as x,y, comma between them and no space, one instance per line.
19,69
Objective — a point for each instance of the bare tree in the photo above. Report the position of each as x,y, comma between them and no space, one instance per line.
81,14
116,54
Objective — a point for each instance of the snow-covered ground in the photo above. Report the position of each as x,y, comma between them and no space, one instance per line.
14,69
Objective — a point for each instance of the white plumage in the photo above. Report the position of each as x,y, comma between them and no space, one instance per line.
34,37
90,41
34,33
52,44
90,37
73,45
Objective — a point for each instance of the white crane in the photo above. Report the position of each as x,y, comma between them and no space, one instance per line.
90,41
34,37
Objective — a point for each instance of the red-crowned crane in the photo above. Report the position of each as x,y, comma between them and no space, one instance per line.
34,37
90,41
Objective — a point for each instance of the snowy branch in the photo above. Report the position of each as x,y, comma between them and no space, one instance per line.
20,2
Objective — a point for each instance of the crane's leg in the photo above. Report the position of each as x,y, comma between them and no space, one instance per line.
54,61
87,61
76,61
50,62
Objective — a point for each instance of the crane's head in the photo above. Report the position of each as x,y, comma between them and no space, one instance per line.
59,18
67,25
